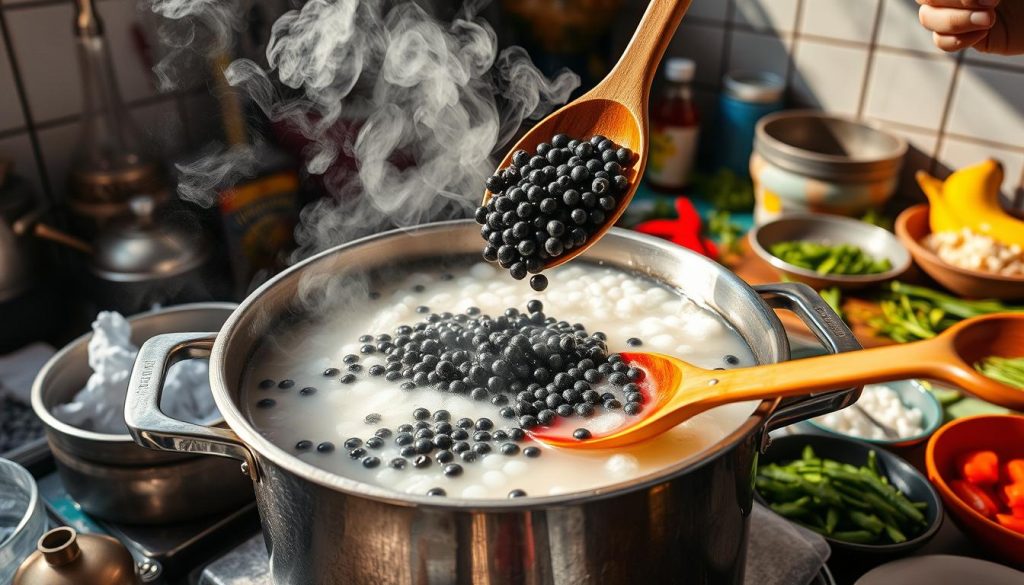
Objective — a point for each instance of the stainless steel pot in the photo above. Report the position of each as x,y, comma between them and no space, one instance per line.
108,474
684,524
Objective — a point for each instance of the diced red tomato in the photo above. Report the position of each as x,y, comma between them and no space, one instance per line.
1012,522
1013,495
1015,471
975,497
980,467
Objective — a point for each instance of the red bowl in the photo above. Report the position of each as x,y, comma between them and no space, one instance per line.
1002,433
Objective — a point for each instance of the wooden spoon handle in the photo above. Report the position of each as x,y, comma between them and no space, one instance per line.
934,359
643,54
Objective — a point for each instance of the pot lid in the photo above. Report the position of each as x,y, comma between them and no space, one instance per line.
143,248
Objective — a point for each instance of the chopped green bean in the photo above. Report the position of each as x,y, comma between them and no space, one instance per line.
840,500
825,259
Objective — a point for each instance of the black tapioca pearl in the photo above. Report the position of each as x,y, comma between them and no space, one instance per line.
371,462
460,446
437,492
285,384
421,461
632,408
325,447
404,438
507,412
612,404
452,470
374,442
459,434
405,428
421,414
564,410
265,384
350,358
266,402
444,456
517,493
532,452
528,421
481,436
303,445
357,453
581,434
585,409
398,463
353,442
423,433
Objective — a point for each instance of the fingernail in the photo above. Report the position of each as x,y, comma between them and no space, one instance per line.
981,18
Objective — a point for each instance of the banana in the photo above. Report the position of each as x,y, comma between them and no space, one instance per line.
970,198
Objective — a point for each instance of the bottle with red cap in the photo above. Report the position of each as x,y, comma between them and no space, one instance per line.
674,128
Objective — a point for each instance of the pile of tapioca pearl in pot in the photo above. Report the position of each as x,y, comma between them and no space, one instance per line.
440,403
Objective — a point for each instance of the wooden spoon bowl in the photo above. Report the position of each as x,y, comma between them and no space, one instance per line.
615,108
675,391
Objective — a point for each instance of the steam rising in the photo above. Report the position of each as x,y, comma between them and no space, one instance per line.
401,112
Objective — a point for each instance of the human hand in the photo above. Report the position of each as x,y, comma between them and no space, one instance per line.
990,26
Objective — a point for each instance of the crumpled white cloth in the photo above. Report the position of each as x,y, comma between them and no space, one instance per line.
99,406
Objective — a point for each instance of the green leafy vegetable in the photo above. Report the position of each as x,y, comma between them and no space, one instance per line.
726,233
725,190
911,313
846,502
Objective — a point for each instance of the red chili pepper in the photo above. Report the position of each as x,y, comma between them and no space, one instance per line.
1015,470
1013,494
980,467
1012,522
975,497
683,231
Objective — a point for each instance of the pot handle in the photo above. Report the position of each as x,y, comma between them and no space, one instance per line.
830,330
151,428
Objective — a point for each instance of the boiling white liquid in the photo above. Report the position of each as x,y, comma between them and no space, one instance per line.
603,299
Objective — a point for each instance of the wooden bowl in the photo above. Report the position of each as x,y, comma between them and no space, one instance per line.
1002,433
912,227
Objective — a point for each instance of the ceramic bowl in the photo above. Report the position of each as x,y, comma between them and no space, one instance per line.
899,473
912,227
1004,434
830,229
912,394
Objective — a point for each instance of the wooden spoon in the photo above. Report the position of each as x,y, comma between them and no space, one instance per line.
615,108
674,390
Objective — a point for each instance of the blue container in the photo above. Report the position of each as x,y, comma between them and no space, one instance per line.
746,97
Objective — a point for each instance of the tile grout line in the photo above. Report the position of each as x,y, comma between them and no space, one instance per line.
865,85
26,111
726,56
947,106
72,118
793,48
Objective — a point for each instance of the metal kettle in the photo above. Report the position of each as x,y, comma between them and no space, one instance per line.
64,557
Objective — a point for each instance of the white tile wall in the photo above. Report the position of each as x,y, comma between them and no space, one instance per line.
988,103
828,76
757,52
10,108
771,15
45,49
831,45
900,29
703,44
909,89
716,10
844,20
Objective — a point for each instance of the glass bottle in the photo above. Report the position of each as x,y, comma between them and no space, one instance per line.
674,128
109,165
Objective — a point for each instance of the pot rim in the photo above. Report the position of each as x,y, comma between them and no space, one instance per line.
54,424
263,449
